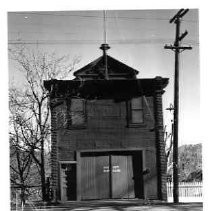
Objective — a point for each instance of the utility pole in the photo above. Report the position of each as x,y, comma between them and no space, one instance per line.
177,49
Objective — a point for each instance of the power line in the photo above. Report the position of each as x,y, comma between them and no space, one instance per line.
96,16
117,41
37,32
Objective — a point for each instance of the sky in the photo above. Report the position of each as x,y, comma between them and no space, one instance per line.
136,37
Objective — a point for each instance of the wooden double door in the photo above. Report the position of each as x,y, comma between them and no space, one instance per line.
111,175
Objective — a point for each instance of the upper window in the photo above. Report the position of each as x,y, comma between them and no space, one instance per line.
61,116
71,114
136,111
77,112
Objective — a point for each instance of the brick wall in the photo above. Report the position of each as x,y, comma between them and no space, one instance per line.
160,145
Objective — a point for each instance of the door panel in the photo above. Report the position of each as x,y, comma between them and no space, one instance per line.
88,184
102,177
138,175
95,177
122,176
130,177
119,174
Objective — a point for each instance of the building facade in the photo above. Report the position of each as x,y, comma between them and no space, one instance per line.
107,133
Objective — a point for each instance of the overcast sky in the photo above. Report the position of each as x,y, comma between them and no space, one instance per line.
136,38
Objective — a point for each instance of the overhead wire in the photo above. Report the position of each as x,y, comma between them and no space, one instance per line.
96,16
113,42
54,42
116,19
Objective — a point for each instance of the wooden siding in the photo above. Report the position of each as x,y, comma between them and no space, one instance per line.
107,129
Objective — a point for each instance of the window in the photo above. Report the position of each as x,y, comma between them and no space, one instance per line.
61,116
136,111
77,112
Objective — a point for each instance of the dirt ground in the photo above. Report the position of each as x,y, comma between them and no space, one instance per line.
118,206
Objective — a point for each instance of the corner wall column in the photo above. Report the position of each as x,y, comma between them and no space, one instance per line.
160,145
54,159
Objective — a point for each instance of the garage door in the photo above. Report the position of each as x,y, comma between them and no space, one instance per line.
98,182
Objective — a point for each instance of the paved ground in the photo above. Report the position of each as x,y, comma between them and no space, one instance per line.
120,205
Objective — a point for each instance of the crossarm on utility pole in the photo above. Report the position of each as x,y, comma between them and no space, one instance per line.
175,47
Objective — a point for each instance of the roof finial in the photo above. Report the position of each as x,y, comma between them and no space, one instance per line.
104,47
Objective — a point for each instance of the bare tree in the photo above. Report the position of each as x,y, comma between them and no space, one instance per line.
21,161
19,168
29,102
168,140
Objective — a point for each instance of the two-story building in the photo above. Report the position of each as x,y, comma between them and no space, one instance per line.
107,133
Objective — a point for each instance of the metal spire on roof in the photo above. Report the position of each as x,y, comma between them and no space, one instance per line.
104,26
104,47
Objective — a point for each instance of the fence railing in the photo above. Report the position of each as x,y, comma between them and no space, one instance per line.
190,191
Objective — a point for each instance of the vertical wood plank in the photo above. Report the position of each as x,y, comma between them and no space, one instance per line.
78,158
130,176
88,185
102,177
119,177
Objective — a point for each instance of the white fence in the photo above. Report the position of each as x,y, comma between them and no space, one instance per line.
188,192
